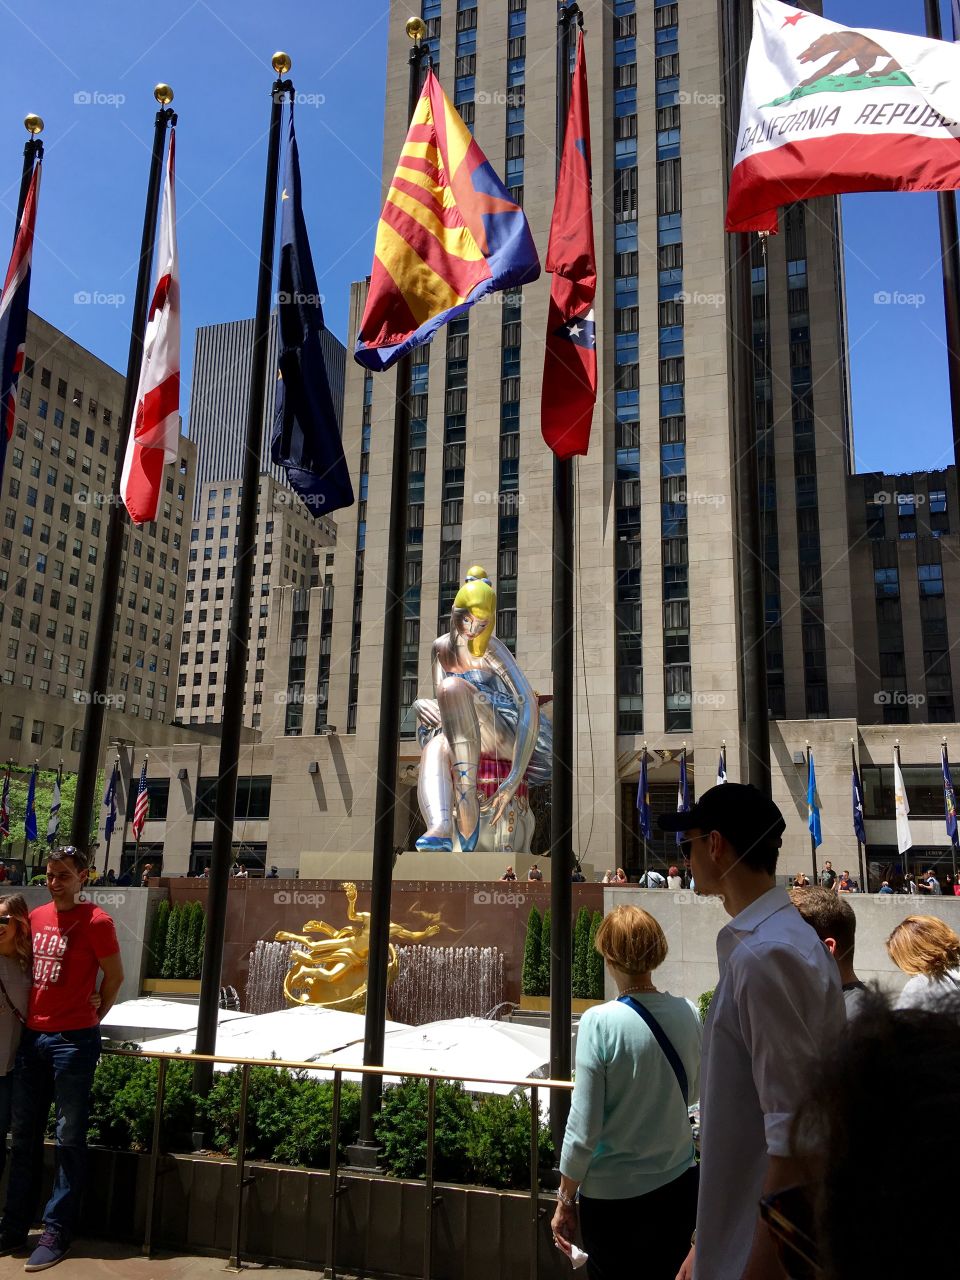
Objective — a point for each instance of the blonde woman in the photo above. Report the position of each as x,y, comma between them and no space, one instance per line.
16,955
928,950
628,1150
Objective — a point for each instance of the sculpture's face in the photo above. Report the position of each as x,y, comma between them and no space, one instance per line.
472,624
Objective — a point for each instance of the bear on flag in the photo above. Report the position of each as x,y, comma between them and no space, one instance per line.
827,109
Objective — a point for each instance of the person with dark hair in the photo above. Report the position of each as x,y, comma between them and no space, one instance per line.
927,949
16,959
73,942
776,1009
835,924
854,1171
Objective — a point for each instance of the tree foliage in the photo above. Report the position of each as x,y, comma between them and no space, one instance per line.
530,975
545,953
581,955
595,960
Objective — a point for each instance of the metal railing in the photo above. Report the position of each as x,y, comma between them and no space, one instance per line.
339,1175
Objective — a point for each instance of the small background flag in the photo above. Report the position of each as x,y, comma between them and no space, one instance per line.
955,14
683,794
110,804
949,799
30,817
142,808
5,807
570,361
813,803
449,234
643,802
155,432
14,304
827,110
722,767
858,828
306,440
901,807
53,823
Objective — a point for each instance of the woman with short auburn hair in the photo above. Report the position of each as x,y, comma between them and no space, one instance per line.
929,950
628,1151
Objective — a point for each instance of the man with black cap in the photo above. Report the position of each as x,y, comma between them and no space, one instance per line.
776,1007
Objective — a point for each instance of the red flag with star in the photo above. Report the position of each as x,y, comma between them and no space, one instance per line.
570,365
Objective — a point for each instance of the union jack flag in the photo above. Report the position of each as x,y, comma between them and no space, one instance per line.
141,810
5,807
14,302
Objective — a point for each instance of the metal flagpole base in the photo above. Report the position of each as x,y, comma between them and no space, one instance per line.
364,1157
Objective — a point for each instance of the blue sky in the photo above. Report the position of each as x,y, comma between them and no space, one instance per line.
217,56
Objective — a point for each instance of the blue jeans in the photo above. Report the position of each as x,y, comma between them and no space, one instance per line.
51,1066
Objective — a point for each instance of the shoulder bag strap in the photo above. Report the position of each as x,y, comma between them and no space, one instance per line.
663,1041
13,1008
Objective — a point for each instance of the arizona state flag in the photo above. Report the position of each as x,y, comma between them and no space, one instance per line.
827,109
570,364
449,234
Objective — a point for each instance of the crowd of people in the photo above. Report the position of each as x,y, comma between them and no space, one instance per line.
790,1069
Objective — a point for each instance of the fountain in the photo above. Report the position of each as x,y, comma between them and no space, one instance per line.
267,968
446,982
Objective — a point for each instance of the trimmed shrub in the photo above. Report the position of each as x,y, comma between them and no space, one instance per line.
158,939
530,975
197,929
171,948
543,983
703,1003
581,955
402,1130
595,960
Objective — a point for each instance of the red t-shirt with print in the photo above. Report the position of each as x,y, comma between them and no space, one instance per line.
67,949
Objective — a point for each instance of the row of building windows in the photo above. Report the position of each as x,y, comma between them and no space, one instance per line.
38,730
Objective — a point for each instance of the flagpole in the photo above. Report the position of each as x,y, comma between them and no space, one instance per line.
384,822
561,780
238,651
864,887
737,28
32,153
643,829
813,840
950,263
113,553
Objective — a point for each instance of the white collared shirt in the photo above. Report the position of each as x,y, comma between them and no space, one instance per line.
777,1006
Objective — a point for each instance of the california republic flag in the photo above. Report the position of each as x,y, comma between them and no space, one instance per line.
155,432
827,109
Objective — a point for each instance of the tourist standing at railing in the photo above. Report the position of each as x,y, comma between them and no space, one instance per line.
15,961
73,941
628,1150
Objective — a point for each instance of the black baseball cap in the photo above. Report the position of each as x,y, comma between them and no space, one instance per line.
739,811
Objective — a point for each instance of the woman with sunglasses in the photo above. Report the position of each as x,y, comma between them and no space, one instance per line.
16,954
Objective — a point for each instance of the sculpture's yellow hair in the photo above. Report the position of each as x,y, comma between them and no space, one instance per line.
478,597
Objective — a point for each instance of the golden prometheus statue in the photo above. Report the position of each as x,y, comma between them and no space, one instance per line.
332,970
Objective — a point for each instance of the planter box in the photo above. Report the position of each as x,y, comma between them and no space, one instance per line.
541,1004
171,986
476,1233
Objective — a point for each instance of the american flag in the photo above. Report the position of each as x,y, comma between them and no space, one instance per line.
13,316
155,430
5,807
142,807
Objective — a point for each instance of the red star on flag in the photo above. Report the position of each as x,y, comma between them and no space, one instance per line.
792,22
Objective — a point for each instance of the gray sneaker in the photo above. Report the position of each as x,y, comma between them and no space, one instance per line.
50,1250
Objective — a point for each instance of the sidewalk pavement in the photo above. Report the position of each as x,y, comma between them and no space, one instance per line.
101,1260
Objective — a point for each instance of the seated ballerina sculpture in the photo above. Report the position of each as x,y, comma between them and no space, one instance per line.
485,726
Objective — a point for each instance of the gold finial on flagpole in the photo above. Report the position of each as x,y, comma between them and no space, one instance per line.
163,94
416,29
281,63
33,124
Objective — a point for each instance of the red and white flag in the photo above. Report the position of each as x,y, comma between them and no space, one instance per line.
570,362
155,432
830,109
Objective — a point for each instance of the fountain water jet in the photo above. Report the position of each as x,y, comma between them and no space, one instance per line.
436,983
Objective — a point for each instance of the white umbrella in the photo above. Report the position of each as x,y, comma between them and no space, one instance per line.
150,1016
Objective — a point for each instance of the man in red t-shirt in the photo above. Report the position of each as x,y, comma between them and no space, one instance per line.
73,942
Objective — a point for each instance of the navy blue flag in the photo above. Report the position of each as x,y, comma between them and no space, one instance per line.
306,439
643,802
110,804
14,301
949,799
858,827
30,817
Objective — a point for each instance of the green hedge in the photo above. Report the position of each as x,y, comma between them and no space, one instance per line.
587,975
481,1139
176,941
